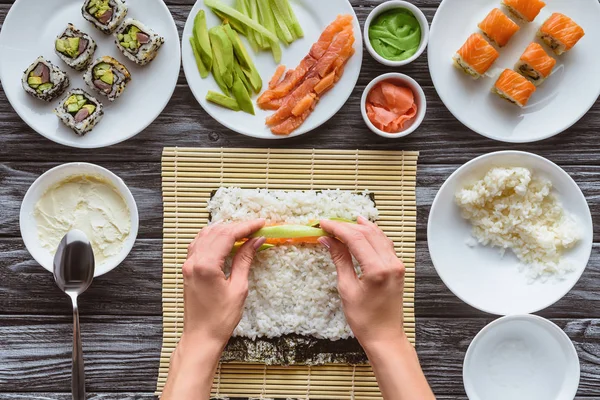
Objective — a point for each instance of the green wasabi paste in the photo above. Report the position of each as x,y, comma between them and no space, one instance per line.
395,34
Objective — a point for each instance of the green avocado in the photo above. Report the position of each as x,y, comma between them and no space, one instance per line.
71,100
223,54
241,95
222,100
202,39
90,107
61,45
34,80
108,77
68,46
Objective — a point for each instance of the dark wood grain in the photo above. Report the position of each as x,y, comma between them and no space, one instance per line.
122,327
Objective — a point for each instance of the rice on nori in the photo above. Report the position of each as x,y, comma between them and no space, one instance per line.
106,15
43,80
79,111
75,48
108,77
137,42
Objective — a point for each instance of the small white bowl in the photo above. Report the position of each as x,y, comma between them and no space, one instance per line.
53,176
390,5
521,357
420,99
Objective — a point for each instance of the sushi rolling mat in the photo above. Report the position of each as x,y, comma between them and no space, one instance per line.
189,175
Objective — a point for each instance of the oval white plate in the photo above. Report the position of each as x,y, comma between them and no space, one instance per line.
141,103
523,357
314,16
557,104
479,275
51,177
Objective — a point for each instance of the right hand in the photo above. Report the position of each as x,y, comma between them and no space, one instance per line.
373,303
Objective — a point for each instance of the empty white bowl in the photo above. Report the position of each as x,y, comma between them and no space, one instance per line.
53,176
390,5
420,99
521,357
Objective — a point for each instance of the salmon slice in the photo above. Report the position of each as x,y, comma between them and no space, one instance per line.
292,123
399,99
326,63
290,102
326,83
477,54
498,27
290,81
513,87
390,106
276,76
272,104
535,63
388,121
304,104
561,33
320,47
526,10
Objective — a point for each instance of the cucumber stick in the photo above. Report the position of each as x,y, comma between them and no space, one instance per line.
232,12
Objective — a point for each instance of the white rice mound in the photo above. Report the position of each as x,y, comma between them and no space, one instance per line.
292,289
512,209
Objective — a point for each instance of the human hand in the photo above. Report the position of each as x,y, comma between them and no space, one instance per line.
373,302
213,303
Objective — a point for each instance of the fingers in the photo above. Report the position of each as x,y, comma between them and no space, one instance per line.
223,236
354,237
343,261
240,267
380,242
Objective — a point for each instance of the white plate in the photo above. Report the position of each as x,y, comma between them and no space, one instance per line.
28,224
479,275
30,30
522,357
314,16
558,103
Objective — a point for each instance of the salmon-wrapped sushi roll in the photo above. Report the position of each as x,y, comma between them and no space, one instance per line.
514,88
498,27
535,64
476,56
525,10
560,33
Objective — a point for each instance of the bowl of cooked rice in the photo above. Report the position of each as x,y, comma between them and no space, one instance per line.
510,233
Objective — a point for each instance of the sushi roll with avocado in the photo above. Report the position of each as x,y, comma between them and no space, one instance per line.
75,48
108,77
106,15
45,81
137,42
79,111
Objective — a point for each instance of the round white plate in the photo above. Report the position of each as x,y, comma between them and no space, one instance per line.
30,30
480,275
558,103
28,224
522,357
314,16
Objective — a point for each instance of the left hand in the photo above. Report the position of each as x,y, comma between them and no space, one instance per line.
213,303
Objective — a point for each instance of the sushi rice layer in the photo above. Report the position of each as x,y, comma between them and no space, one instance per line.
292,289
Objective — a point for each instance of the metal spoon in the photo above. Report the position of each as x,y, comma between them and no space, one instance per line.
73,272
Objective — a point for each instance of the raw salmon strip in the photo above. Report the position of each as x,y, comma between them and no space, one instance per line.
390,106
304,104
526,10
535,64
498,27
326,83
561,33
277,76
320,47
476,56
292,123
327,62
288,83
513,87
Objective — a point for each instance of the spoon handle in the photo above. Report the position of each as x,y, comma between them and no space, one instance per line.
78,373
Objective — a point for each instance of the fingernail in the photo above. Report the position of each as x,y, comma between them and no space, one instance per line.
325,242
258,242
362,219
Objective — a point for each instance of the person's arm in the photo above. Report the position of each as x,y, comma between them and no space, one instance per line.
373,304
213,306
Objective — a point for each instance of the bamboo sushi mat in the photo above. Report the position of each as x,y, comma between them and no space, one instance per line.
189,175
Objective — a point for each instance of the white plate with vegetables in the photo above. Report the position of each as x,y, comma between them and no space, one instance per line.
303,102
137,106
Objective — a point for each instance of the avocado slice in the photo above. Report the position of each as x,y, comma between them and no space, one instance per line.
241,95
203,40
222,100
108,77
90,107
71,100
201,67
240,74
72,46
34,80
61,45
218,78
244,59
222,53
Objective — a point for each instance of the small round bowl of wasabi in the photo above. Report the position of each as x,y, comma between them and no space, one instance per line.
396,33
393,93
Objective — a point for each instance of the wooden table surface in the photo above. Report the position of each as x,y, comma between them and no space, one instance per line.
121,313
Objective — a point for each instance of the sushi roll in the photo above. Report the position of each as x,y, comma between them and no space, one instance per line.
106,15
137,42
79,111
514,88
44,80
108,77
525,10
75,48
535,64
498,27
560,33
476,56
